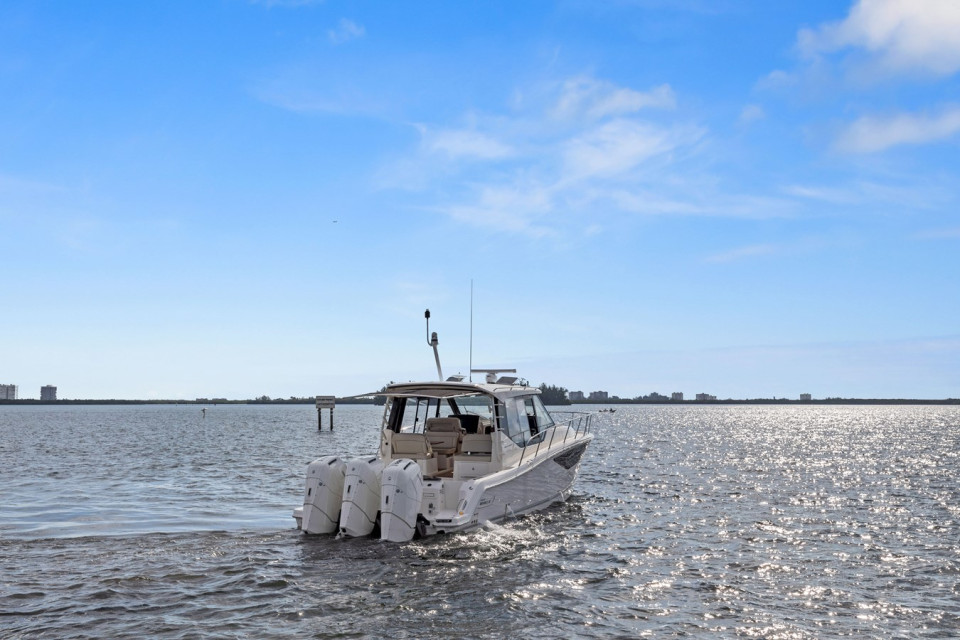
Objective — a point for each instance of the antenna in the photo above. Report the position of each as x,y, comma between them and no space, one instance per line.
432,341
471,329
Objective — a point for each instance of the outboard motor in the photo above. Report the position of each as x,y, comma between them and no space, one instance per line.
323,495
400,495
361,496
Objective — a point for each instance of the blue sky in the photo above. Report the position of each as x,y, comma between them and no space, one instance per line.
237,198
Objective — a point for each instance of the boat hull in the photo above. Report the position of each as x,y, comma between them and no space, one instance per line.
513,492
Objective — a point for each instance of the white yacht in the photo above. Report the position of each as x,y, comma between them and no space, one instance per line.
452,455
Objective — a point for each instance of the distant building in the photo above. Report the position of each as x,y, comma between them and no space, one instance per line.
705,397
576,396
805,397
599,396
8,392
48,392
677,396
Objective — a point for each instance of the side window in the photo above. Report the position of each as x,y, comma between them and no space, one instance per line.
538,419
531,413
518,427
544,421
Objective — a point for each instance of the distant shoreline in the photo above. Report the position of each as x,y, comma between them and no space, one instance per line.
356,401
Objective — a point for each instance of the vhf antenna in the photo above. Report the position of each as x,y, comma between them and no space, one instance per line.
432,341
471,329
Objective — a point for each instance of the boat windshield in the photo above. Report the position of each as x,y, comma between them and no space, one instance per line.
476,412
473,405
408,414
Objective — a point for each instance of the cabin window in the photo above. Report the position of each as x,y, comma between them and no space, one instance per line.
407,415
518,427
526,417
537,415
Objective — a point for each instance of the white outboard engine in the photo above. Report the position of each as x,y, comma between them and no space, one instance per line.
361,496
400,494
323,495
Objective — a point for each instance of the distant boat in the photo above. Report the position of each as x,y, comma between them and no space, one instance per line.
452,456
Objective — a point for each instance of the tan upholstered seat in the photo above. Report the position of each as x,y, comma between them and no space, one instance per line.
477,444
443,434
416,447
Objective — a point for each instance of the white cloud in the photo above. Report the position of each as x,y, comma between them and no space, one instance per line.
832,195
616,147
777,79
464,143
741,253
293,4
580,148
903,35
752,113
891,194
346,30
692,199
588,97
939,234
870,134
513,207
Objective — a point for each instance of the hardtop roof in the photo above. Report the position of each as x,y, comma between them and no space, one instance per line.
450,389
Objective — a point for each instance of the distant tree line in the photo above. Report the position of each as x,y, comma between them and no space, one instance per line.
551,394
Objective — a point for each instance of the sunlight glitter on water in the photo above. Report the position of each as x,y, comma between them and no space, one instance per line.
734,521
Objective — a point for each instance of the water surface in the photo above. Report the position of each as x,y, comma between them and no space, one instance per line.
771,521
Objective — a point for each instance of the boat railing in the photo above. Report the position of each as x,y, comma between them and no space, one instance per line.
577,426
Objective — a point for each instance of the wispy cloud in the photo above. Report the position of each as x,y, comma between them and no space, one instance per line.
615,148
833,195
584,96
306,88
778,79
870,134
517,208
583,143
879,42
15,185
895,193
743,253
286,3
346,30
900,36
464,143
751,113
939,234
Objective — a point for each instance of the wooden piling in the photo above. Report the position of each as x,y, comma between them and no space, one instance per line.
325,402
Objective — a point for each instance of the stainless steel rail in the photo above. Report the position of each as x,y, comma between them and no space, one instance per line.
578,424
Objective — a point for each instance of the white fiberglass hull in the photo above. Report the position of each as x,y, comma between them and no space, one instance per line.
512,492
450,506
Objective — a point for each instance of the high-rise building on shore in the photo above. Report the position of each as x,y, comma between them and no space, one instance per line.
48,392
8,392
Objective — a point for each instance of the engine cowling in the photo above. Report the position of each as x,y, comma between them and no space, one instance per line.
323,495
401,490
361,496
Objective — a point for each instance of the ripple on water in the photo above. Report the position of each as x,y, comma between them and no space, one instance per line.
791,522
